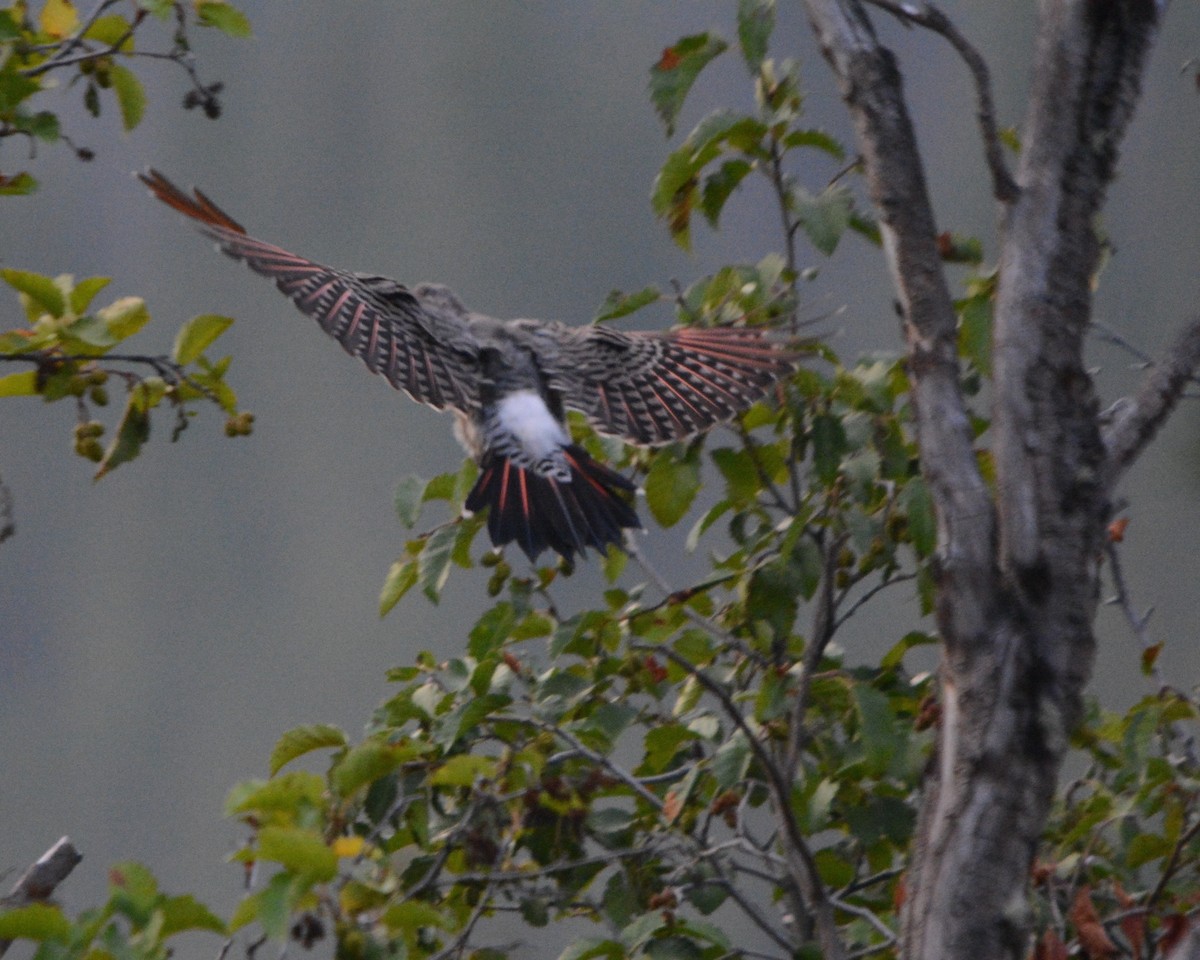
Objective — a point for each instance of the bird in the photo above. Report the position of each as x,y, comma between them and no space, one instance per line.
509,383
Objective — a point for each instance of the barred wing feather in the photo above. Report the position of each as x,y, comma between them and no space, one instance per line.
431,358
653,388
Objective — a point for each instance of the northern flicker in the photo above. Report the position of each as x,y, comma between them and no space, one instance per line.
509,381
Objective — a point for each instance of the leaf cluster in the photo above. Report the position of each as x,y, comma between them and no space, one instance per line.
94,52
69,349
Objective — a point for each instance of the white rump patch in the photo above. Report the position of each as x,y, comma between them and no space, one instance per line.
526,417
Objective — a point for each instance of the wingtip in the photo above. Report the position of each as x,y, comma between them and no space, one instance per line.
197,206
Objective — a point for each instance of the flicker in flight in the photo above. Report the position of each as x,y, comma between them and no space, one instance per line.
509,382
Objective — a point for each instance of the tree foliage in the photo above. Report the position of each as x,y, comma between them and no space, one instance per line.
678,756
69,348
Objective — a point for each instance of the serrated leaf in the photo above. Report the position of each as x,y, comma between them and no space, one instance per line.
42,290
829,443
22,384
224,17
195,336
719,186
756,20
131,98
672,485
672,77
433,565
825,217
303,852
618,304
301,740
37,921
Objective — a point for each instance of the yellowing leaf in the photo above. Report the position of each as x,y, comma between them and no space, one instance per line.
22,384
348,846
59,18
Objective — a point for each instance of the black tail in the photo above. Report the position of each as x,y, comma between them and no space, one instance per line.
540,512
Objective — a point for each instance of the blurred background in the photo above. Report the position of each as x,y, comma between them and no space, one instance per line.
159,630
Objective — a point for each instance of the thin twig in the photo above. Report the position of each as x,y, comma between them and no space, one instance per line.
603,761
1137,421
704,623
1004,187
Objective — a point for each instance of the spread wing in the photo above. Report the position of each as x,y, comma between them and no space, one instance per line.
653,388
423,348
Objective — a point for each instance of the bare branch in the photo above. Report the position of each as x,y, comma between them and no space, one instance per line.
1137,421
1004,187
37,884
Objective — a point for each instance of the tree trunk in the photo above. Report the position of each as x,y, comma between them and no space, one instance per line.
1017,568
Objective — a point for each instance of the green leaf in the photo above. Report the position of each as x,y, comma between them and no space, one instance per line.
301,851
195,336
731,761
301,740
672,485
109,29
10,29
433,565
130,96
188,913
975,332
368,762
285,794
38,921
131,433
14,88
672,77
720,185
922,523
590,948
463,770
401,577
756,20
814,139
125,317
85,291
618,304
825,217
22,384
409,917
43,125
881,735
829,443
1146,847
18,185
225,17
41,290
410,494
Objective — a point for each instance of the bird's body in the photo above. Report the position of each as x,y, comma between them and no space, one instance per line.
509,383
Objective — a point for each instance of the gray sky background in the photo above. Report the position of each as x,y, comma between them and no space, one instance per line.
159,630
